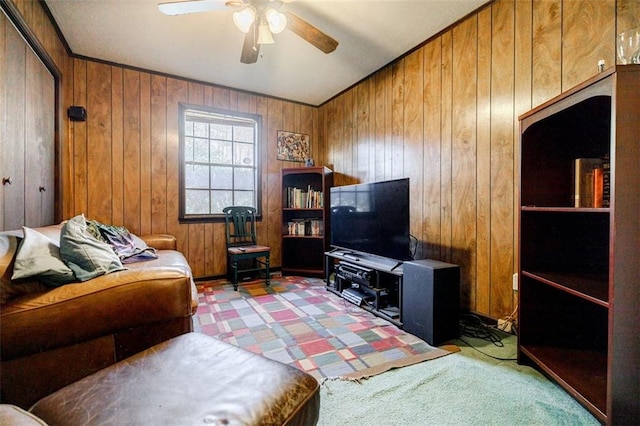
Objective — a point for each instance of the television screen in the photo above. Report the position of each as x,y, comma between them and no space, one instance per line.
372,218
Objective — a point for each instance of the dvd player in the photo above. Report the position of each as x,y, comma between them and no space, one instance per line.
356,296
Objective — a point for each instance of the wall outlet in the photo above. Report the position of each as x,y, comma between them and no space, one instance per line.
515,282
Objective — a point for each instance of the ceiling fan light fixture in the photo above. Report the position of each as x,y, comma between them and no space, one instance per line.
264,34
244,19
277,21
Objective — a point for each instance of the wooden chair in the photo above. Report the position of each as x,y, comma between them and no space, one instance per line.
240,224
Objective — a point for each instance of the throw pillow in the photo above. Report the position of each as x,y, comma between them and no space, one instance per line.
86,256
39,257
10,289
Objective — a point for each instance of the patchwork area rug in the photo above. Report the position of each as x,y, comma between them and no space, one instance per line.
298,322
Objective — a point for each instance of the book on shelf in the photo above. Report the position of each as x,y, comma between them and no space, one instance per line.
295,227
316,227
308,198
307,227
588,182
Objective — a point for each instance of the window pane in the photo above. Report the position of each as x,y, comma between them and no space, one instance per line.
188,128
201,150
196,176
188,149
221,152
243,178
220,200
197,201
221,131
243,134
221,177
243,154
244,198
201,129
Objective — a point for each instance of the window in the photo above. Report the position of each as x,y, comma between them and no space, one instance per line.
219,162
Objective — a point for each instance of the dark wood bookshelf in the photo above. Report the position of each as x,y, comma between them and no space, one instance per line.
592,287
567,366
303,253
578,316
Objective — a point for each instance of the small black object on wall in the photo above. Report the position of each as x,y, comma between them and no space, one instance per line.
77,113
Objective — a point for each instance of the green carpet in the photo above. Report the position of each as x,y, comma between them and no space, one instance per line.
465,388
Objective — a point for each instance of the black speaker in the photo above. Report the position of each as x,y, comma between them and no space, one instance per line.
431,300
77,113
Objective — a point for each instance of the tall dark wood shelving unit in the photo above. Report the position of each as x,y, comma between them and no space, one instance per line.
579,289
303,254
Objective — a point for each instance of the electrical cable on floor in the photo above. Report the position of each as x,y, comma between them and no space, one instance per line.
486,354
472,326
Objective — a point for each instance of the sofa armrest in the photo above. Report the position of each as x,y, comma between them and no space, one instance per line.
105,305
160,241
11,415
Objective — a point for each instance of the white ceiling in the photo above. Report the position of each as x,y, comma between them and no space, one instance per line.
206,46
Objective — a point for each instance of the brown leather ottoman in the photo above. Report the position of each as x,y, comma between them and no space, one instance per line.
192,379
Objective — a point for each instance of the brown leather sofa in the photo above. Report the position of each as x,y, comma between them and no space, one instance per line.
53,336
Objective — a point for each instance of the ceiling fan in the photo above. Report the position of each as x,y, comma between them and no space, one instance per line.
259,20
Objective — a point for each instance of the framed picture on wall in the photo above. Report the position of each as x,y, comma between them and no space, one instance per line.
293,146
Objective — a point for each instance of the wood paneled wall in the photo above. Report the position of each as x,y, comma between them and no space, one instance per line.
446,116
126,159
121,165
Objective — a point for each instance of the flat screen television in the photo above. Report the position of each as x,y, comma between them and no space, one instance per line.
372,218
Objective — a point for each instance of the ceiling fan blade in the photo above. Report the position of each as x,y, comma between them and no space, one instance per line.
310,33
250,48
193,6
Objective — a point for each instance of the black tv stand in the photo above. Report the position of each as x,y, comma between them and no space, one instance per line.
371,282
419,296
364,259
351,256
